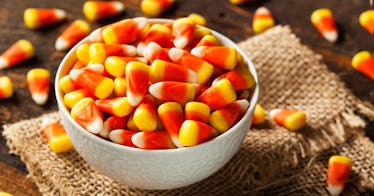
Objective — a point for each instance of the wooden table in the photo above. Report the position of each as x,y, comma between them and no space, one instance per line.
233,21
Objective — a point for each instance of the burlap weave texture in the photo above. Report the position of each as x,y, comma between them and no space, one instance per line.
271,161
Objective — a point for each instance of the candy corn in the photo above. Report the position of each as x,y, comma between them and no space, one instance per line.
122,136
174,91
119,87
82,53
6,87
171,115
118,106
258,115
197,111
183,29
137,79
364,63
218,95
152,140
323,20
262,20
240,78
57,138
195,132
339,168
292,119
220,56
367,20
238,2
98,85
98,10
115,122
131,124
95,68
167,71
38,80
154,51
154,8
98,52
116,66
225,117
72,35
5,194
67,84
20,51
86,113
125,31
158,33
38,17
145,115
71,98
197,19
208,40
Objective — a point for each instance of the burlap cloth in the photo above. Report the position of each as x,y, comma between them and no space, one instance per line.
271,161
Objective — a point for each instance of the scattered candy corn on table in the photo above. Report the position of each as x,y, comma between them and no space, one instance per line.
235,21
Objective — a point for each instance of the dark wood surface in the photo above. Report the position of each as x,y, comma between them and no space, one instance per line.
233,21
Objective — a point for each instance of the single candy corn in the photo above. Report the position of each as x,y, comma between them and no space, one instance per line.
154,8
166,71
171,115
225,117
218,95
197,19
96,68
364,63
67,84
367,20
154,51
221,56
115,122
137,81
98,10
5,194
38,80
6,87
197,36
71,98
122,136
145,115
119,87
82,53
20,51
131,124
208,40
118,106
194,132
238,2
125,31
262,20
38,17
158,33
57,138
116,65
152,140
292,119
180,92
197,111
240,78
98,52
86,113
182,31
323,20
339,168
78,65
72,35
258,115
203,69
98,85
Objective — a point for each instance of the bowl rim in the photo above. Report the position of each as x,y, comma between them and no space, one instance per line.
63,109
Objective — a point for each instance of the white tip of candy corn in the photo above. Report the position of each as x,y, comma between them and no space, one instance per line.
244,104
335,190
134,99
130,50
119,6
95,126
331,36
40,98
197,51
150,49
74,73
61,44
180,42
104,132
61,14
262,10
192,76
138,139
274,112
155,89
175,54
3,63
115,136
176,141
141,22
95,36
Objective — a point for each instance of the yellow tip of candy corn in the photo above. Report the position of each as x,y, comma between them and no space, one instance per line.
6,87
367,20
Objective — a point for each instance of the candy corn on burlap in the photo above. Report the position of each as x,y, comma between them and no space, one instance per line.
271,161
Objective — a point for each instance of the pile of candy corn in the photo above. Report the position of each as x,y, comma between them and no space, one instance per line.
156,85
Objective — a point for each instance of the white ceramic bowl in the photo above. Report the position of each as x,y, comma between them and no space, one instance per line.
155,169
